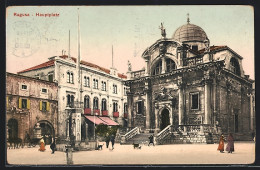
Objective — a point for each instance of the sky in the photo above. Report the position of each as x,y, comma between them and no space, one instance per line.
32,39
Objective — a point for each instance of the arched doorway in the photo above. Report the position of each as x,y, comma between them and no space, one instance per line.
13,128
165,119
47,131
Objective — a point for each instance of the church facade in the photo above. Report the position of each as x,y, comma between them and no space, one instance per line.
189,86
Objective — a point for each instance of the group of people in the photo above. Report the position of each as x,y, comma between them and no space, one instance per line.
111,139
230,144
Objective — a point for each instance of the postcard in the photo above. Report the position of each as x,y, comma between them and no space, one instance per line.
123,85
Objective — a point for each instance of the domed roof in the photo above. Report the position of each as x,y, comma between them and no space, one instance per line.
189,32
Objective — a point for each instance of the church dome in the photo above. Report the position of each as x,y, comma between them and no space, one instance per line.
189,32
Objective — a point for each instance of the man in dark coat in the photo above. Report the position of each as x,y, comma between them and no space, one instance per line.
107,139
53,146
112,141
151,140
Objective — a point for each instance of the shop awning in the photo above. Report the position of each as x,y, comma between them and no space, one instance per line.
109,121
96,120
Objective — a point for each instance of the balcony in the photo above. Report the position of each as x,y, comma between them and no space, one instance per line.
104,113
87,111
96,112
125,115
115,114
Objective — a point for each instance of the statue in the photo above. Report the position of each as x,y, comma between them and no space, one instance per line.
129,66
163,32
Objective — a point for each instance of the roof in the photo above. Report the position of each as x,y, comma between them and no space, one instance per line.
51,63
43,65
189,32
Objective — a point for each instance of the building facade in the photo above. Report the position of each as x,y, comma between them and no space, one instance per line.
189,86
32,107
98,94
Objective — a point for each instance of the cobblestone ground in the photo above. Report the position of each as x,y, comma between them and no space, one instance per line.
147,155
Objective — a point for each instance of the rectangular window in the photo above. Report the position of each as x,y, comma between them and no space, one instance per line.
24,87
50,77
44,90
194,101
44,106
24,103
140,107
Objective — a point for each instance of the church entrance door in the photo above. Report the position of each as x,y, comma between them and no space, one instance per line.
165,119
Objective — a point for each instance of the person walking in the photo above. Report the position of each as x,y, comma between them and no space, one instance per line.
112,141
221,144
107,139
151,140
42,145
53,146
230,145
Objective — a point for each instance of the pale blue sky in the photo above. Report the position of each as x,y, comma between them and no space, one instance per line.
130,29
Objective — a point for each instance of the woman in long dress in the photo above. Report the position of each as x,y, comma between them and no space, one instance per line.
230,145
42,145
221,144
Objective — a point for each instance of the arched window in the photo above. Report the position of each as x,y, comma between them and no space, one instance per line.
170,65
70,100
158,68
86,102
104,104
68,77
125,107
115,106
71,78
234,66
95,103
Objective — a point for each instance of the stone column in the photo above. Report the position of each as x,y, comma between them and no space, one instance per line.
163,65
181,107
130,108
207,103
148,109
251,113
156,120
146,68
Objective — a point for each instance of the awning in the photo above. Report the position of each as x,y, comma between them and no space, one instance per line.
109,121
96,120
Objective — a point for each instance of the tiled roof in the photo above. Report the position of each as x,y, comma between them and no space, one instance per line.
51,63
213,48
43,65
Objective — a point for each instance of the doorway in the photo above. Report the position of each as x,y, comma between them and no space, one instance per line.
13,129
165,119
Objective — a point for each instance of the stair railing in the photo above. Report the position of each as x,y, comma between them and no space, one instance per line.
165,132
130,134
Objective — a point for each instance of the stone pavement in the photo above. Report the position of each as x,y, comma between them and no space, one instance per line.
174,154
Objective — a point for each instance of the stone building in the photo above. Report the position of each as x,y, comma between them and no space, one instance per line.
31,105
190,90
99,96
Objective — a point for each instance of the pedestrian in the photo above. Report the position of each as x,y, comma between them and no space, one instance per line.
112,141
107,139
42,145
230,145
53,146
151,140
27,139
221,144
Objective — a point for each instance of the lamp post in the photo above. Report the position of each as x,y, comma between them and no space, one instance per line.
70,145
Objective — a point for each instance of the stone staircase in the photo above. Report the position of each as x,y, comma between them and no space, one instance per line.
142,138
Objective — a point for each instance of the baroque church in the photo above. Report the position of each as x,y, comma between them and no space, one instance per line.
189,91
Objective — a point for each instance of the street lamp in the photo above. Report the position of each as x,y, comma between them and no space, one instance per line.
70,146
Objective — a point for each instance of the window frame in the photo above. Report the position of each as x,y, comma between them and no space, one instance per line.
191,100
